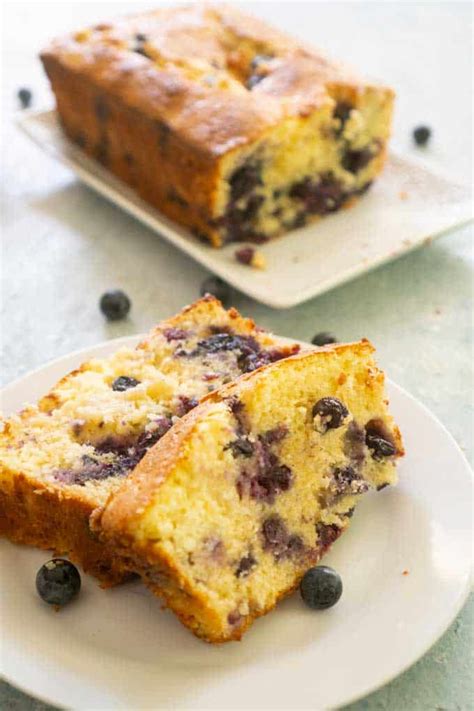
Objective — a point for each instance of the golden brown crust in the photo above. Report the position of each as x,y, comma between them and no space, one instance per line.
35,515
170,88
182,42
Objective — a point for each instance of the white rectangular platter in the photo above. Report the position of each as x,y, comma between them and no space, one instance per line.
405,209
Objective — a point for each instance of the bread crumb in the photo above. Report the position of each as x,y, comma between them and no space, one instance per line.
406,572
251,257
403,195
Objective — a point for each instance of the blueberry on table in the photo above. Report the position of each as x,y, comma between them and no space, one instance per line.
321,587
25,97
421,135
216,287
115,304
323,338
58,581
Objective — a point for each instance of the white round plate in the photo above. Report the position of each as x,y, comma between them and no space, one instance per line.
405,563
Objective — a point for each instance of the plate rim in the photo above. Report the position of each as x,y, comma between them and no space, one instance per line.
133,340
120,194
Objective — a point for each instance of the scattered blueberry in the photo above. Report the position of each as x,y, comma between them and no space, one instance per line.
321,587
124,382
115,304
58,581
421,135
216,287
25,96
323,338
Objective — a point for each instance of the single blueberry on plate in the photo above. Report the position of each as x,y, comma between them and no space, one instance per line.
421,135
25,97
216,287
321,587
58,581
323,338
115,304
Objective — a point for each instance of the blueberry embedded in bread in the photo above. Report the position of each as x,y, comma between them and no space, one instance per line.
61,459
270,467
254,137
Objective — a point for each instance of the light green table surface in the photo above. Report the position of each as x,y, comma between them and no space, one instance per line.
63,246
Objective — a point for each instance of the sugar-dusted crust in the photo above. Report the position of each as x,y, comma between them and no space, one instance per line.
121,521
38,511
177,88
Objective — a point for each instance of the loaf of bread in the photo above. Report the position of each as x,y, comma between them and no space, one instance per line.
226,125
224,515
61,458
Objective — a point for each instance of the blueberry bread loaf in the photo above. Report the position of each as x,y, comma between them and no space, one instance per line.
60,459
225,514
226,125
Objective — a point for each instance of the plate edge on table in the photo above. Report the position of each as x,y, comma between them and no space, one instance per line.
118,193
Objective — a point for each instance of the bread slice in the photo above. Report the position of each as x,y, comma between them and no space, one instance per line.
225,514
62,458
255,133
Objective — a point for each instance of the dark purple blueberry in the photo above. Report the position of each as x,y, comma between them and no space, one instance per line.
234,617
241,447
175,334
321,587
342,112
323,338
321,197
150,437
353,161
245,255
245,566
25,97
216,287
124,382
244,180
421,135
379,439
185,405
95,470
345,480
238,221
115,304
295,545
327,534
354,443
58,581
228,342
331,413
278,479
274,435
275,534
